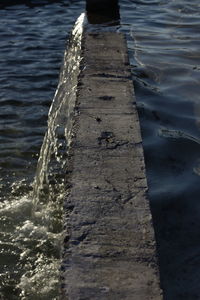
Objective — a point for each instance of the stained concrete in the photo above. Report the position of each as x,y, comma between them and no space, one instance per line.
109,246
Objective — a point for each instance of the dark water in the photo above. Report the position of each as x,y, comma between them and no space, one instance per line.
33,40
31,51
164,43
165,54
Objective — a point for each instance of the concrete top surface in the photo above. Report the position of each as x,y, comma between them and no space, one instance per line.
109,248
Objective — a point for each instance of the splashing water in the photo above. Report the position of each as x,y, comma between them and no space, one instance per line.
32,225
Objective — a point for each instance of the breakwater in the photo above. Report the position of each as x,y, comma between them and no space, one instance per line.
109,245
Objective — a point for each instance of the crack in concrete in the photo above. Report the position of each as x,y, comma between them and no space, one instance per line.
109,140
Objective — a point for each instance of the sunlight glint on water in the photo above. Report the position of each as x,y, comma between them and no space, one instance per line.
33,224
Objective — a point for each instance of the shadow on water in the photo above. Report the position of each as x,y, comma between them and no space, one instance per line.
175,208
164,52
173,167
166,76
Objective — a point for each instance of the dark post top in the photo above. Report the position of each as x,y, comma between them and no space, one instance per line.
101,5
102,11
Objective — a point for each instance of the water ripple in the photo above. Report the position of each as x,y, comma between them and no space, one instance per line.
164,52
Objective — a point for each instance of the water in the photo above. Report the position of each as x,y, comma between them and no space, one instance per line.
31,209
163,38
164,49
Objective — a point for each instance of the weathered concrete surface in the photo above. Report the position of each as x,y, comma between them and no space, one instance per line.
109,250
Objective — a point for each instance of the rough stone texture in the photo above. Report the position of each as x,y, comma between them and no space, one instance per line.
109,250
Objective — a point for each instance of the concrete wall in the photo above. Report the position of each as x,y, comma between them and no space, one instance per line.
109,245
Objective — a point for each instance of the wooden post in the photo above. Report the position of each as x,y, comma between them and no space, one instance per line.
101,5
103,11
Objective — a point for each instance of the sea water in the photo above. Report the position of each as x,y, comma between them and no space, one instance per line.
31,217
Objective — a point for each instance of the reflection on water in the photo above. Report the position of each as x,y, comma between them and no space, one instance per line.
164,45
31,214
